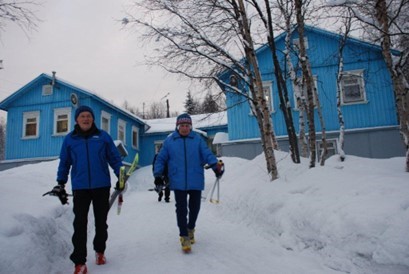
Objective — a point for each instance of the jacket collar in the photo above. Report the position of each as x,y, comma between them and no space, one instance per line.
86,134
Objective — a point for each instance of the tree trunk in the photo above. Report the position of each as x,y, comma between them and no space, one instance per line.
400,86
282,91
262,110
341,121
308,81
297,86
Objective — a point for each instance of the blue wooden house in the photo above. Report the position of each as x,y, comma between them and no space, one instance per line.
368,104
41,113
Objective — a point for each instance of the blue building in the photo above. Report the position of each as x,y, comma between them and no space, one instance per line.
41,113
367,98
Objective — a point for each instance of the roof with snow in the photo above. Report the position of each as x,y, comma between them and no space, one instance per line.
199,121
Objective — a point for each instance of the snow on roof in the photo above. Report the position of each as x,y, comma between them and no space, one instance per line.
220,138
199,121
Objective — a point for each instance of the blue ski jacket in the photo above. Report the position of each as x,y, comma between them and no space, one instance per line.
88,156
185,158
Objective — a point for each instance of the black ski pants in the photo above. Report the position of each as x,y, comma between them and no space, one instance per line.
187,208
100,204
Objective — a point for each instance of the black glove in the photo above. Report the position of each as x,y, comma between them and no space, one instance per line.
117,186
159,181
60,192
218,169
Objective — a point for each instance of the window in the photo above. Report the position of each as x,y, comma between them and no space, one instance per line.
331,147
62,121
106,121
267,88
121,131
304,93
47,90
31,122
352,87
135,137
296,43
158,146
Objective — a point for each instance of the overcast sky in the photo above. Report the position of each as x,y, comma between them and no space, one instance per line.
84,42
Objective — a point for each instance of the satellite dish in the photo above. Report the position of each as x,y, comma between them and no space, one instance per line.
74,99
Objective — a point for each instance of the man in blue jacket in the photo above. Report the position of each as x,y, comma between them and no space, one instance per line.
88,151
185,154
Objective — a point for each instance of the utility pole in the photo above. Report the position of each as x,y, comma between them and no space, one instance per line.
167,108
167,104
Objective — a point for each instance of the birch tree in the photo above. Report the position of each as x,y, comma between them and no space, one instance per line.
307,81
386,22
341,121
267,19
200,39
286,12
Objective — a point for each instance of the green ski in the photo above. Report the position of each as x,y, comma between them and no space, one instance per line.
123,178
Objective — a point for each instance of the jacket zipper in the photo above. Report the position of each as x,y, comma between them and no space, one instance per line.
88,164
184,144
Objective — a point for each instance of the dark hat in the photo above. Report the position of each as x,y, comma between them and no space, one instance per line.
83,109
183,119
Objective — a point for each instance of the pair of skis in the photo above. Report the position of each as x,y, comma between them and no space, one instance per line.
123,178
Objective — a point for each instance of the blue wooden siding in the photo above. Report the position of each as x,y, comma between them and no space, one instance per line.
379,109
30,98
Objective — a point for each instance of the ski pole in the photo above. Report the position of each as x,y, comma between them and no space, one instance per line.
216,186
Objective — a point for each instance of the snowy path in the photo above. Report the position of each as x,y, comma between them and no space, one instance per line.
153,245
341,218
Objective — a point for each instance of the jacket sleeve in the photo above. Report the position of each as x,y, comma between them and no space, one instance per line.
65,162
207,154
114,159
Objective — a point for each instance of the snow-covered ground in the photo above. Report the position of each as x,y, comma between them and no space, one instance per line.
346,217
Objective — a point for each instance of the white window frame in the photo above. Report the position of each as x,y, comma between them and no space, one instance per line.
136,131
304,93
122,128
47,90
31,115
332,146
58,112
268,91
296,43
106,115
359,76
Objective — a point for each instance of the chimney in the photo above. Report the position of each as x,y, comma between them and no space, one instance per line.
53,81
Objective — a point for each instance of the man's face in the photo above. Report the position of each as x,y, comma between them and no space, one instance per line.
184,129
85,120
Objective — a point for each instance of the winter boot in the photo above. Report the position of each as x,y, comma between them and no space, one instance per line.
80,269
100,258
185,242
191,233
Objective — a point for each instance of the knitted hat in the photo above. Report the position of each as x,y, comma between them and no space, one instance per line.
83,109
183,119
